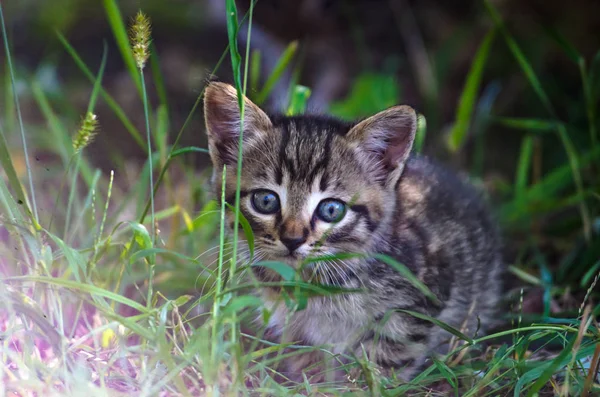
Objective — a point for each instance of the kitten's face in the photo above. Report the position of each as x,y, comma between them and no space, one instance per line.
310,186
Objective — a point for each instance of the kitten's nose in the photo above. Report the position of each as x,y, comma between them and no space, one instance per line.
292,242
293,234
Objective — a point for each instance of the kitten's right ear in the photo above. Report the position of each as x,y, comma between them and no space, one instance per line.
222,118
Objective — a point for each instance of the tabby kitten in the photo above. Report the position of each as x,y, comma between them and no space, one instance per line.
314,186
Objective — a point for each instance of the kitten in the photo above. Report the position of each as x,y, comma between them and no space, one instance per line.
314,186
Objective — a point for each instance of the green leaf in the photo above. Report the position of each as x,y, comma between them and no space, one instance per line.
141,235
241,302
207,219
285,271
182,300
300,96
440,324
282,64
458,134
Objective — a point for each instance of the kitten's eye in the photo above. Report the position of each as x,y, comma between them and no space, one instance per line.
331,210
265,201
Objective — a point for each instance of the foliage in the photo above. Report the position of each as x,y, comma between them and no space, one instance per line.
98,299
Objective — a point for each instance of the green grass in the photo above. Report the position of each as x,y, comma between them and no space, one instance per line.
96,299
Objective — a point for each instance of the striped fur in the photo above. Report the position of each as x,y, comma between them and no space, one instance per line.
399,204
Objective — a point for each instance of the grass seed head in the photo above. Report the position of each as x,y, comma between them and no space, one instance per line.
139,35
87,132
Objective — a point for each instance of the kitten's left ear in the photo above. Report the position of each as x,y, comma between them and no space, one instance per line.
384,141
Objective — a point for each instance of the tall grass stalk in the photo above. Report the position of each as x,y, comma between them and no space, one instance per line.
216,335
232,33
140,32
20,118
150,166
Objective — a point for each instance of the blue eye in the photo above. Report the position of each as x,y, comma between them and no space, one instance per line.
331,210
265,201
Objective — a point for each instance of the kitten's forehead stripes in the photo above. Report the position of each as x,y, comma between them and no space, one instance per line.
306,145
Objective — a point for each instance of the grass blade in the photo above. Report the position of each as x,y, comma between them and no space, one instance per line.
591,102
440,324
20,119
550,369
561,130
285,271
552,183
523,166
458,134
255,70
406,273
11,173
521,59
532,125
107,98
300,96
421,133
98,81
83,287
120,32
282,64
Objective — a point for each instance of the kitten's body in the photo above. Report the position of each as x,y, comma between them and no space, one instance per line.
406,207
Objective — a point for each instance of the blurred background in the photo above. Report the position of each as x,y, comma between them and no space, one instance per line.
414,52
358,57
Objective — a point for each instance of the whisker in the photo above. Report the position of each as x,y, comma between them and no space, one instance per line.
212,249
